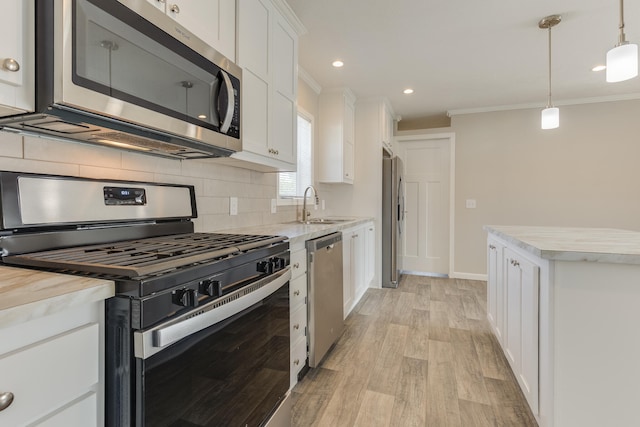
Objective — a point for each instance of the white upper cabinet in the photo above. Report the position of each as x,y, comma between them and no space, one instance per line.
337,137
386,124
214,21
268,54
16,58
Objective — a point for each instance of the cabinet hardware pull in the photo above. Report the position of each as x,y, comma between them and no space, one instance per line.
175,8
296,362
11,64
491,247
296,265
6,399
296,326
296,292
516,263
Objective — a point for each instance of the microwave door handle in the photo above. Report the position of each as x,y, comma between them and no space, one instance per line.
231,101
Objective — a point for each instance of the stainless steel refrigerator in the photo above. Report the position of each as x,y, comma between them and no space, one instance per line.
392,220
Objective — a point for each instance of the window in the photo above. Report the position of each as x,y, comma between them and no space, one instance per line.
292,184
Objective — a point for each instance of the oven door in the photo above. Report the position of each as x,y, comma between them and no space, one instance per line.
226,364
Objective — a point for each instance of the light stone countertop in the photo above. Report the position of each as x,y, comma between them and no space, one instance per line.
28,294
607,245
298,232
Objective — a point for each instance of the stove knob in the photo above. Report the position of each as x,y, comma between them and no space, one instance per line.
186,297
279,263
265,267
210,287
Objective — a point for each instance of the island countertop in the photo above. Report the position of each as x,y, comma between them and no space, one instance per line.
606,245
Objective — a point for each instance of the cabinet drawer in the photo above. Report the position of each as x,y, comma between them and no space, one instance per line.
48,375
298,290
298,263
298,358
82,413
298,323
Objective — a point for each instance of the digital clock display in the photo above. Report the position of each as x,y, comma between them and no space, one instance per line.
124,196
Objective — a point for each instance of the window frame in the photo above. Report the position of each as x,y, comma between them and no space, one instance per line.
294,201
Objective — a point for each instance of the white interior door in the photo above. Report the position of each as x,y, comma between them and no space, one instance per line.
427,189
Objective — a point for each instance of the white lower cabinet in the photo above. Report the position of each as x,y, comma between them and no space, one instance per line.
513,287
298,310
358,263
54,367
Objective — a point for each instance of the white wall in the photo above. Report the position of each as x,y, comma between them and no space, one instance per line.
585,173
214,183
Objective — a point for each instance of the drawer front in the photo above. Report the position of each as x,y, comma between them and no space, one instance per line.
48,375
298,263
298,359
298,292
298,323
80,414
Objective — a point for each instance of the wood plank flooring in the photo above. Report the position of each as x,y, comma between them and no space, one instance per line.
419,355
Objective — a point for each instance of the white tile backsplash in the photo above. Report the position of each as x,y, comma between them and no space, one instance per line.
214,183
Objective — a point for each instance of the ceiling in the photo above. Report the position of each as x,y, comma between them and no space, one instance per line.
464,55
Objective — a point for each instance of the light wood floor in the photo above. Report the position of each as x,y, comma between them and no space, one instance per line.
419,355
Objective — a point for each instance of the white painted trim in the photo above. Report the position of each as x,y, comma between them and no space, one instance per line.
451,136
285,10
297,201
577,101
306,77
469,276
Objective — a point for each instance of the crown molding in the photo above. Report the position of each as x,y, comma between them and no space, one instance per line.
306,77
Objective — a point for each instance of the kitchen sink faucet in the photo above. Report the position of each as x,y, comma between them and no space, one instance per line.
305,212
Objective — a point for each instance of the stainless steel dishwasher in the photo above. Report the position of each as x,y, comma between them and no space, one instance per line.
325,306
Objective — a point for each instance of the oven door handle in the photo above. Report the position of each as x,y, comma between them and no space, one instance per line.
151,341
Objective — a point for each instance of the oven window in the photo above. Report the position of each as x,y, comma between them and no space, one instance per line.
231,374
114,58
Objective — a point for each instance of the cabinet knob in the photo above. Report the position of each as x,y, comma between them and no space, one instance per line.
10,64
491,247
296,292
296,326
174,8
160,1
6,399
296,362
296,265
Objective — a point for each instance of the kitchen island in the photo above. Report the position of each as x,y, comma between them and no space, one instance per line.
564,303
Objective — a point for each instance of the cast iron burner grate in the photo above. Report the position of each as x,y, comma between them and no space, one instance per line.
135,258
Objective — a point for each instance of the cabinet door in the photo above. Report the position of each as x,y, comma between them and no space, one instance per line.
214,21
370,254
495,289
285,78
347,274
357,263
349,142
521,338
16,57
253,56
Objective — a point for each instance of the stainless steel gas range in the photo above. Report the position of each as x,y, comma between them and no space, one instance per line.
198,332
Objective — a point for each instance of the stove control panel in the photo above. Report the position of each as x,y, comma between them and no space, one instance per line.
117,196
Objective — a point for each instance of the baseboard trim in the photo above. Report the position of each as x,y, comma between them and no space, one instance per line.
469,276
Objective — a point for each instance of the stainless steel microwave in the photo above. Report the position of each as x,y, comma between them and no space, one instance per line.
124,74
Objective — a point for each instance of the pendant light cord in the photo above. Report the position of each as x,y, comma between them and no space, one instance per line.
549,99
621,38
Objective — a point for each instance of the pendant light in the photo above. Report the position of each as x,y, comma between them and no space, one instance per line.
550,118
622,60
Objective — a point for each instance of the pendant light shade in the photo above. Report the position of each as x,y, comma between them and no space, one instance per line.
622,63
550,117
622,60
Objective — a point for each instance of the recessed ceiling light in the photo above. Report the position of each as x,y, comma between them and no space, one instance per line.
337,63
202,116
407,91
599,68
